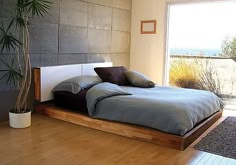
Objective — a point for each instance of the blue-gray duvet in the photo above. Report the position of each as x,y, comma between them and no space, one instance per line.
168,109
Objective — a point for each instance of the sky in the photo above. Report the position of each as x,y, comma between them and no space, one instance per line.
202,25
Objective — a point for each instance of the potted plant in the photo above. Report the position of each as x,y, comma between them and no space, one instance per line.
18,72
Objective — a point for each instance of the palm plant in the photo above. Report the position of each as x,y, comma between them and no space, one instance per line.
18,72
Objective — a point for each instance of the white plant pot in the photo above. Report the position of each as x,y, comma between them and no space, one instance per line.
20,120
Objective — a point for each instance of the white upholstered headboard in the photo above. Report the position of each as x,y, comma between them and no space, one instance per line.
46,78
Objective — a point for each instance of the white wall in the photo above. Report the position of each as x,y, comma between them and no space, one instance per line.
148,50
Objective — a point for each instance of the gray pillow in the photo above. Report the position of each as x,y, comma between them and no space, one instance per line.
138,79
76,84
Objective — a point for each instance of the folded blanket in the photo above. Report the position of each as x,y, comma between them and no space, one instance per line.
100,92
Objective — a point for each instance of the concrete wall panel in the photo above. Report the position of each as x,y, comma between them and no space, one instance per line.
121,20
43,38
73,39
72,59
99,41
99,17
120,42
73,12
76,31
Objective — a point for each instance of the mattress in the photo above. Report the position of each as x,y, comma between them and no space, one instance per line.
75,102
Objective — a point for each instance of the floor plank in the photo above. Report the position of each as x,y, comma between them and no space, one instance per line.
51,141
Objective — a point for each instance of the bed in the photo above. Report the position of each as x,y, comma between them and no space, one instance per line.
141,113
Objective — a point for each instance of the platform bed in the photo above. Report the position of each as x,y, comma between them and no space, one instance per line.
129,130
45,79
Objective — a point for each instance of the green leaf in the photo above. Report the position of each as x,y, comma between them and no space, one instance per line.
7,40
11,74
10,25
38,7
21,21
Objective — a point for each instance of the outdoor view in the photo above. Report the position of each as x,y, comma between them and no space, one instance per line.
202,29
202,47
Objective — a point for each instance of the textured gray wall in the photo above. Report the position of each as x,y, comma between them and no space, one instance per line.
76,31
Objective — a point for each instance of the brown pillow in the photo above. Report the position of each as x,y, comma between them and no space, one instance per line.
115,75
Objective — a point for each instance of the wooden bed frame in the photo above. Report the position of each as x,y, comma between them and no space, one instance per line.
127,130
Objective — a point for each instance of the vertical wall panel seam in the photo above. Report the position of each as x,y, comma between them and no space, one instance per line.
88,50
59,26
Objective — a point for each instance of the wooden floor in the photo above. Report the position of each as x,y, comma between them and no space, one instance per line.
54,142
